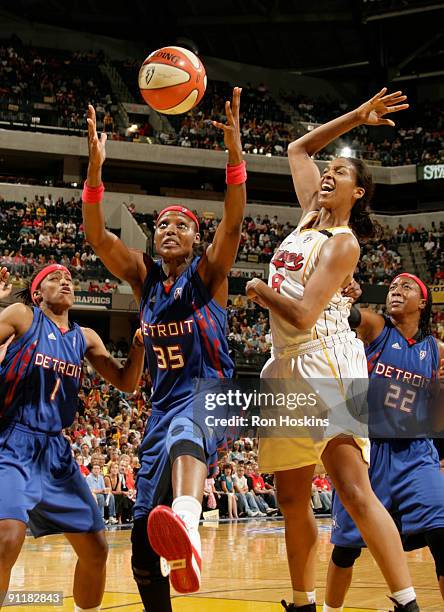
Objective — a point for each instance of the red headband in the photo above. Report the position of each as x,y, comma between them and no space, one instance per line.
43,274
417,280
180,209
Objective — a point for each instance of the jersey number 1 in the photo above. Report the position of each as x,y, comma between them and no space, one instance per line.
54,390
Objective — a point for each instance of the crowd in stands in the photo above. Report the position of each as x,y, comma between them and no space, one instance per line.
43,231
432,243
417,139
249,328
52,87
265,127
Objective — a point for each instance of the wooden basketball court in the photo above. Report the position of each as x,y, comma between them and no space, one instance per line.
245,569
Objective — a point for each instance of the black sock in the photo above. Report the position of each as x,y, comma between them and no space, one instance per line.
156,596
154,588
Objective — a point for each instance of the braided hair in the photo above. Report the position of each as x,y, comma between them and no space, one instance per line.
424,325
25,294
361,221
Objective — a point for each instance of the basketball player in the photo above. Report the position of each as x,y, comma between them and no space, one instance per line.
404,473
182,310
312,339
40,376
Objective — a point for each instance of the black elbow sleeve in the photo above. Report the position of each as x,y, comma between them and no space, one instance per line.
354,318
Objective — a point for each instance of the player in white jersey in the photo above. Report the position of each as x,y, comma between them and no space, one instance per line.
312,340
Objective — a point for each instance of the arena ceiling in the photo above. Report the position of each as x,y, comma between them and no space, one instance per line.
344,39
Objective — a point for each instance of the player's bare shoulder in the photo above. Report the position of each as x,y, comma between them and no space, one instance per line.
92,338
342,244
19,316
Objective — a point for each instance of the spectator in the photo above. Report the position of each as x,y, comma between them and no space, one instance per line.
323,487
210,495
261,490
83,469
103,496
246,503
228,488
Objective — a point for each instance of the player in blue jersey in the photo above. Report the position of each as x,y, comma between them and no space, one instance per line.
182,302
403,357
41,485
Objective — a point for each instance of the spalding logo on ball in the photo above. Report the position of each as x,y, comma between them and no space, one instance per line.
172,80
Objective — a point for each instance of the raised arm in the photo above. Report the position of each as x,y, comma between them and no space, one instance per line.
124,377
305,174
127,264
337,261
221,254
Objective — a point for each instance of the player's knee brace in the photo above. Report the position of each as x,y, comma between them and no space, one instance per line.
145,562
186,447
153,587
345,556
435,541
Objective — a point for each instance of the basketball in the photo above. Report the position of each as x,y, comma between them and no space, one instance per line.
172,80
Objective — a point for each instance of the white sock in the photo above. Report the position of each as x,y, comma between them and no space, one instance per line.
330,609
404,596
189,510
77,609
302,598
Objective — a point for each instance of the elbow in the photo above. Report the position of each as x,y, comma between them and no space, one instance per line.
295,148
127,386
94,241
304,320
130,388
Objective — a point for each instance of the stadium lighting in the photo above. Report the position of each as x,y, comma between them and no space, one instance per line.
345,152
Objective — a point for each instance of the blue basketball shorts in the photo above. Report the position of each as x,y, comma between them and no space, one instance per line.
42,486
405,476
164,430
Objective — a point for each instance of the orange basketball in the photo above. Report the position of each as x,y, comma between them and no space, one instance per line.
172,80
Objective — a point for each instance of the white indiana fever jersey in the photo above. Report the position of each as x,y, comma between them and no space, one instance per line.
291,267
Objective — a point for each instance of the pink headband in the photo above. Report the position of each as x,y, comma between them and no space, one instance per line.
417,280
181,209
43,274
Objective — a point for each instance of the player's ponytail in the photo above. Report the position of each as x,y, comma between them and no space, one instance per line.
426,315
361,221
25,295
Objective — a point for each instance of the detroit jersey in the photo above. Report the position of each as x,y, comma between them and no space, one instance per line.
291,267
40,376
401,374
184,335
404,471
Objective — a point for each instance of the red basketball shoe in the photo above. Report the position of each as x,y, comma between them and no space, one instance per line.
180,545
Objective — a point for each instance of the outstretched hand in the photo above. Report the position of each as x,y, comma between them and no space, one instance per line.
5,288
96,145
373,111
231,128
